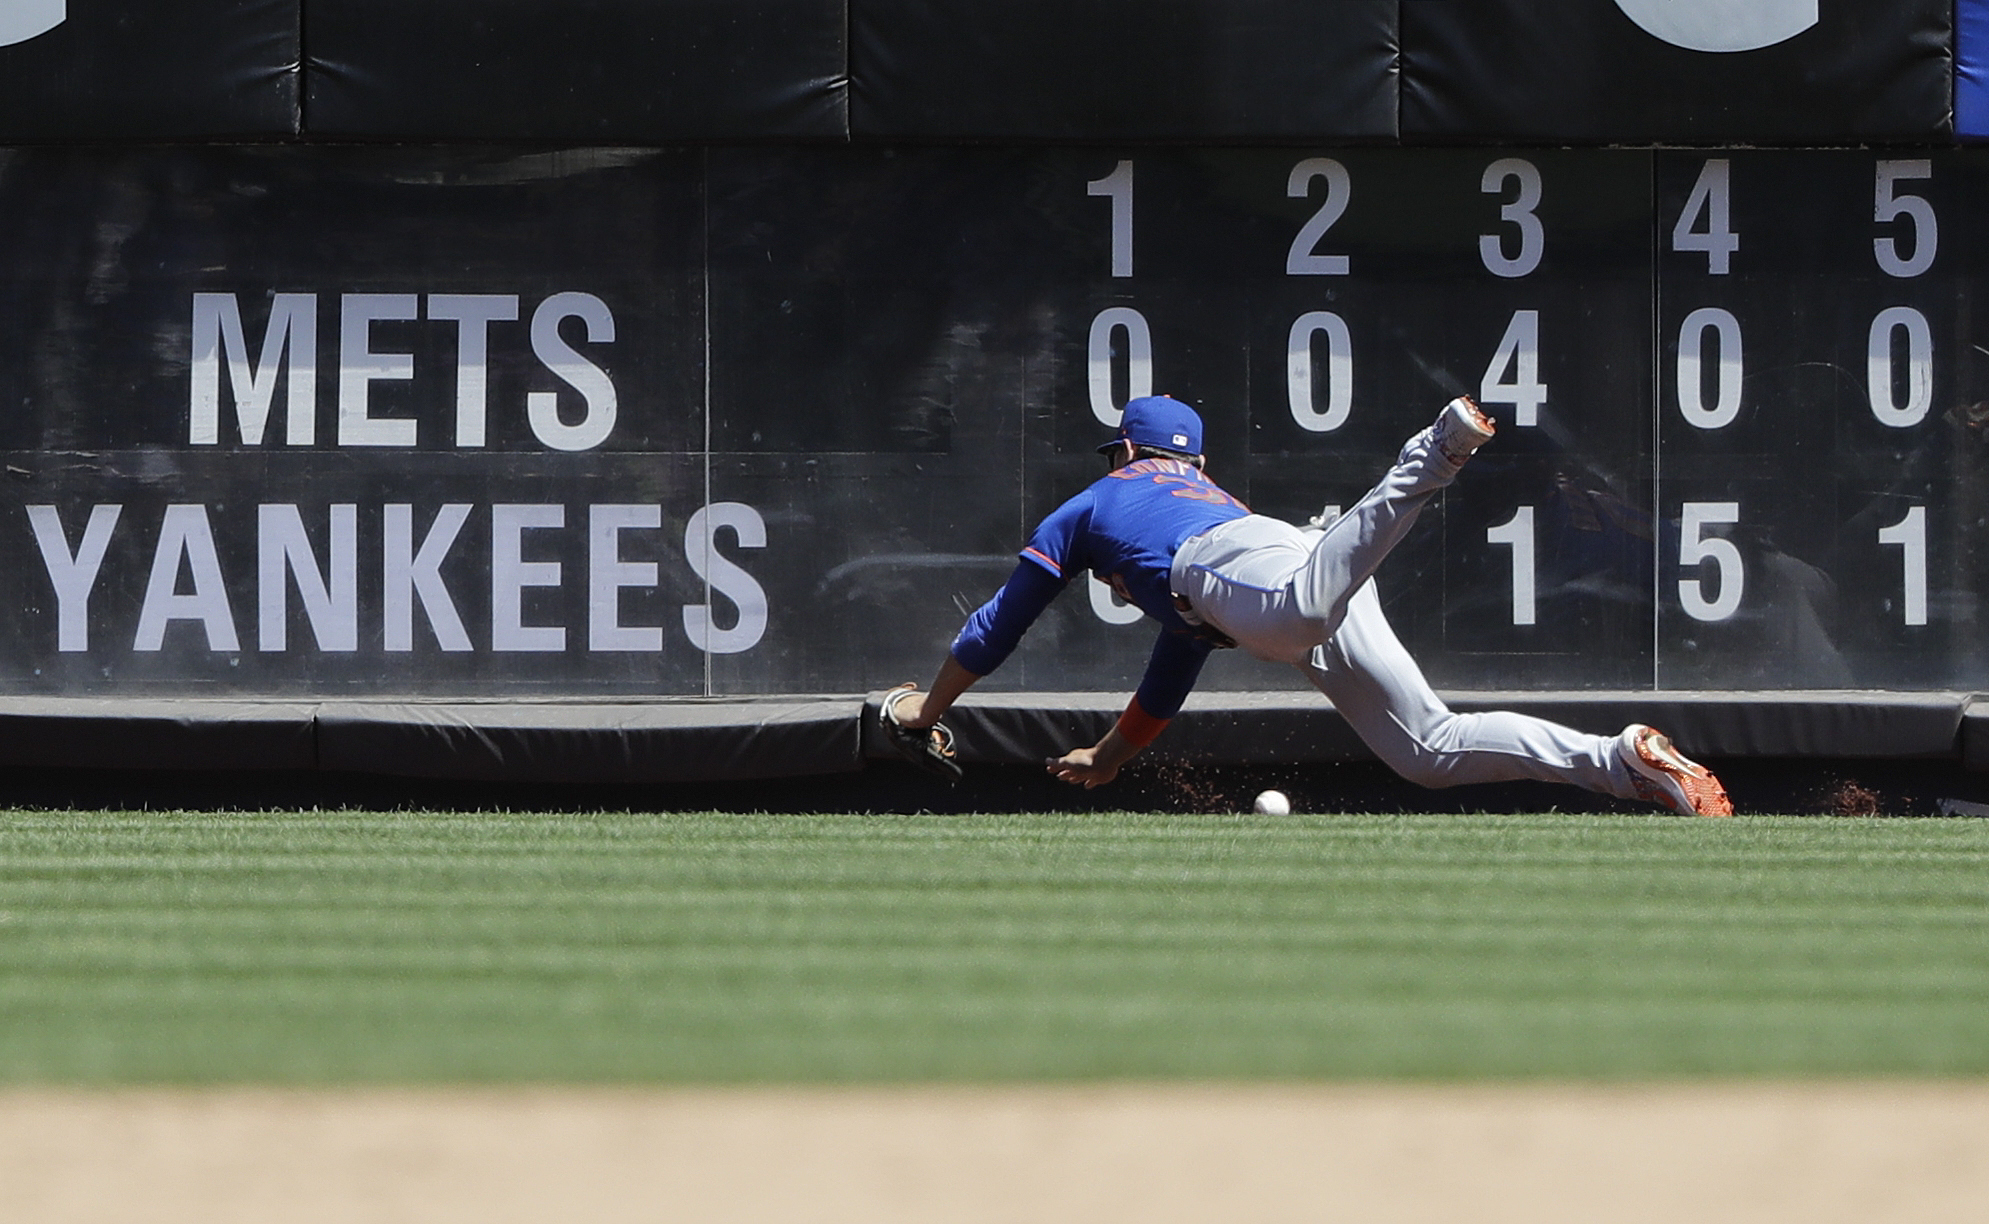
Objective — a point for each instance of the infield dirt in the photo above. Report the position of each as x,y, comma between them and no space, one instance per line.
1540,1154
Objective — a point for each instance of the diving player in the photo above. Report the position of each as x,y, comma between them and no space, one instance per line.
1171,542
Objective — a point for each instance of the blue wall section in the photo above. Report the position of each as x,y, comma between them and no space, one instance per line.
1971,75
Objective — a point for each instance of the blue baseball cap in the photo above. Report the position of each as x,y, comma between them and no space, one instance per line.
1159,420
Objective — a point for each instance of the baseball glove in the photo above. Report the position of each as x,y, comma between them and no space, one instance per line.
931,749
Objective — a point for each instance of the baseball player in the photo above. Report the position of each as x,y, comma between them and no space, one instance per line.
1167,539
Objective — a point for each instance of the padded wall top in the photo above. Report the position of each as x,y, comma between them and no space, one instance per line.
1688,71
628,71
1124,69
189,69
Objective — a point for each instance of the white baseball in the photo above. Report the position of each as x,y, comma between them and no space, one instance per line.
1273,803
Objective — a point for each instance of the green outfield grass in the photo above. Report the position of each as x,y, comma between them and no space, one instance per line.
366,947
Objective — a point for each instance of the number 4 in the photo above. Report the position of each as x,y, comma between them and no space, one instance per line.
1712,196
1518,352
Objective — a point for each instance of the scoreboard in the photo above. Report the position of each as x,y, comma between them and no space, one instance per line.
1736,389
772,420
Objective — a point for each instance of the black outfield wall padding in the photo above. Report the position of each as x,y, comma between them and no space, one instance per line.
599,70
1123,69
1692,71
141,733
742,739
1301,728
186,70
680,741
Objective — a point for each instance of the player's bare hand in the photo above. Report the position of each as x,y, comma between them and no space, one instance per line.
1080,767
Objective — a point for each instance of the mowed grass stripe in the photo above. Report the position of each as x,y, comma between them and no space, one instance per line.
344,946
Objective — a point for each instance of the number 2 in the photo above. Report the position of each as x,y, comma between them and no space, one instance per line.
1301,259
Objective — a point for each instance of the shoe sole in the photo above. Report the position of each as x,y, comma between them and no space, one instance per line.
1662,763
1474,429
1477,417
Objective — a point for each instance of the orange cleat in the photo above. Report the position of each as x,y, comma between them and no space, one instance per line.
1461,428
1663,774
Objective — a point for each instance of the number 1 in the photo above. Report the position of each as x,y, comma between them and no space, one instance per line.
1518,532
1119,186
1910,533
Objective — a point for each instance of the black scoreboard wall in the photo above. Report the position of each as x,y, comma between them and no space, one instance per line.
752,420
1201,71
752,373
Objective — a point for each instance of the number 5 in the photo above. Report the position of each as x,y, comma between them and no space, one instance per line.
1888,207
1692,549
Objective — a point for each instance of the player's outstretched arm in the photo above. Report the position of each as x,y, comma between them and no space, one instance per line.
1170,672
989,636
1096,765
918,710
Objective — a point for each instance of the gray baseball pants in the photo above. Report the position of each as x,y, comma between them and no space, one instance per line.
1307,597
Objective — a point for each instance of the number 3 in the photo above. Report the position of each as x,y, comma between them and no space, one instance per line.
1532,235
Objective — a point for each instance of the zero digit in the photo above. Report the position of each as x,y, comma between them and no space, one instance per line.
1108,607
1099,361
1730,360
1300,371
1880,367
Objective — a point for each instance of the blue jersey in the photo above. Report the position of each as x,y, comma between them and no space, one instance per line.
1125,530
1127,527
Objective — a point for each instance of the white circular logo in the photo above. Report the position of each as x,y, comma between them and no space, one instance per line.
21,20
1722,25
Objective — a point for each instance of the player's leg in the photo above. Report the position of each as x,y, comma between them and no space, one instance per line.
1346,554
1376,685
1279,590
